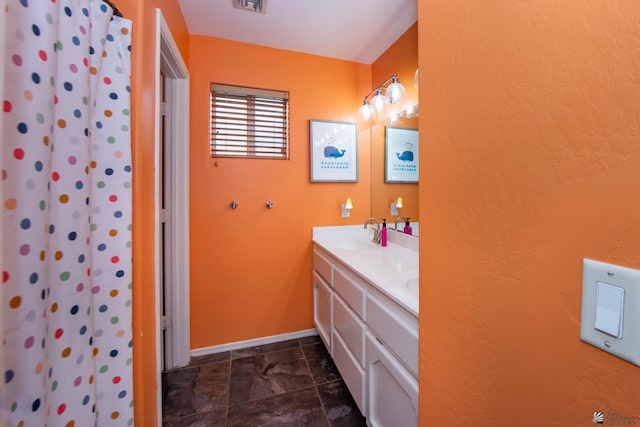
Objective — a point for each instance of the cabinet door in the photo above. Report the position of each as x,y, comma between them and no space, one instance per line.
391,390
352,373
395,328
323,311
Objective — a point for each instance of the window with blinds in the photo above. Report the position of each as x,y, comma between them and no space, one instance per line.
249,123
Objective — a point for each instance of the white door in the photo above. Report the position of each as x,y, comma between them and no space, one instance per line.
172,201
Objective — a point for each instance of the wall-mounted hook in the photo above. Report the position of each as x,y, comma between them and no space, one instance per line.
233,204
269,204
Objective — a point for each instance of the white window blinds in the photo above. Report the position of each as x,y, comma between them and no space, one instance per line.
249,123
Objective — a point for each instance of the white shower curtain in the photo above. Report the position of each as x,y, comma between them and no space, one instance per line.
66,216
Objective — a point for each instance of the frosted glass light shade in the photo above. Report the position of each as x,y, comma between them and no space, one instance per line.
379,102
395,92
367,113
412,111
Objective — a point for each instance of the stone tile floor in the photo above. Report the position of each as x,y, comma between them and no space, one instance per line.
290,383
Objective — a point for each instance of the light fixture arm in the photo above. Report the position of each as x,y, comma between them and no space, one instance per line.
381,86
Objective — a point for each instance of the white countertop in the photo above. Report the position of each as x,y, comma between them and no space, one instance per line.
389,269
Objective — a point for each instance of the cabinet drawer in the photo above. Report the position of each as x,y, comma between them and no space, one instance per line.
396,329
323,266
352,373
350,327
350,290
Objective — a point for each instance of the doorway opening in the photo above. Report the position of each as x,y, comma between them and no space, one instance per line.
172,201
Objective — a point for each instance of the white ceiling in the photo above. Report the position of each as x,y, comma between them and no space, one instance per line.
353,30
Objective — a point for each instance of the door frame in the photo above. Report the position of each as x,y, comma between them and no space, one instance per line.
170,62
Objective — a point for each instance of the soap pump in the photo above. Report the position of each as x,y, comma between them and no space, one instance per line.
407,227
383,233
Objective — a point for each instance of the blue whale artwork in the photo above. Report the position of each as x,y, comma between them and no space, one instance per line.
406,156
332,151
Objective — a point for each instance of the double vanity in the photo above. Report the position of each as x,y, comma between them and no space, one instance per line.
366,312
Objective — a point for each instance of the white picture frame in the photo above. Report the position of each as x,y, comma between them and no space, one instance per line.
401,155
333,151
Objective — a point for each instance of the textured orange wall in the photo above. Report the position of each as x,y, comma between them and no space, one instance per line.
143,53
529,150
251,267
400,58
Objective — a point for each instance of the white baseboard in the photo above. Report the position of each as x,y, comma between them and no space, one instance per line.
252,343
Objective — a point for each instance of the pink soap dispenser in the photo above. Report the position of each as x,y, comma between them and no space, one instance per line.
383,233
407,227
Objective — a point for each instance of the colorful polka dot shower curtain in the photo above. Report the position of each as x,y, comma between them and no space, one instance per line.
66,216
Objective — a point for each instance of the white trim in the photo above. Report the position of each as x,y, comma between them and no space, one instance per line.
179,134
252,343
156,226
168,56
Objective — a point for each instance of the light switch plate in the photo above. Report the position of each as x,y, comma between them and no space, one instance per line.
614,283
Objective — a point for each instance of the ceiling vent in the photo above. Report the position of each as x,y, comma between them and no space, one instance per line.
250,5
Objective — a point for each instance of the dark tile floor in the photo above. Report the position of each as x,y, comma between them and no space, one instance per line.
290,383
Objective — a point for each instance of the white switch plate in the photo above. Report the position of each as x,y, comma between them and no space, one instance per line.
609,309
613,282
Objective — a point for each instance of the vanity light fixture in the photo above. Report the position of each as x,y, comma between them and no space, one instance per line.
379,102
395,91
346,208
395,205
390,91
367,112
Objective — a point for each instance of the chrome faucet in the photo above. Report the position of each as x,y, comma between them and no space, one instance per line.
398,219
376,232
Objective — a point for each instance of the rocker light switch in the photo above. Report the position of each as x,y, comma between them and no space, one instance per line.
609,309
610,317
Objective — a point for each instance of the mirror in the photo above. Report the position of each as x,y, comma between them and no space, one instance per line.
384,193
401,58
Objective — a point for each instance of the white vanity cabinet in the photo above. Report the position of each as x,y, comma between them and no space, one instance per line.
392,391
392,357
372,339
323,299
349,293
323,310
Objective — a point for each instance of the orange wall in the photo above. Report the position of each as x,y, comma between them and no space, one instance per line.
251,267
400,58
142,13
529,151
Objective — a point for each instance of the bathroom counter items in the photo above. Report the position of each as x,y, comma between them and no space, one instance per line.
393,269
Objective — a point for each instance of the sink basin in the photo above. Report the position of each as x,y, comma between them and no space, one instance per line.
413,286
353,244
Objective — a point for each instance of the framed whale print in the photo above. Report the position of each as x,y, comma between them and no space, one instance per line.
334,151
401,155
